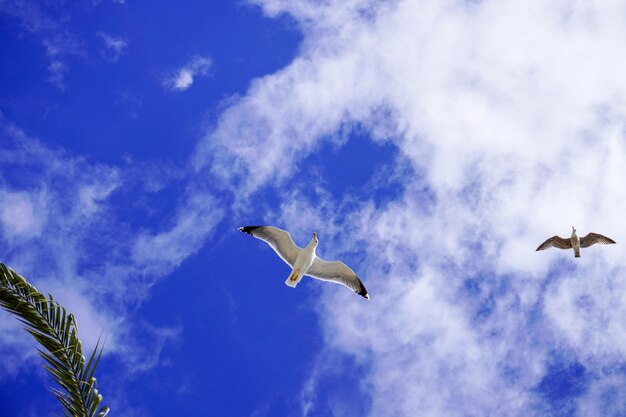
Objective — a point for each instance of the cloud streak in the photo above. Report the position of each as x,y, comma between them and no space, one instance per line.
114,46
60,44
184,77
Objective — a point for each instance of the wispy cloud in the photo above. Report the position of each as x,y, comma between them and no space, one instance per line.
57,211
131,102
30,16
113,46
161,252
51,202
20,214
60,45
150,353
183,77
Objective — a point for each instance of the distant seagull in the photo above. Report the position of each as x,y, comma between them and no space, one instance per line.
303,261
574,242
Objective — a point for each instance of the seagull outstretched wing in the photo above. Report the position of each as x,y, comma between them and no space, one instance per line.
556,242
339,273
279,239
593,238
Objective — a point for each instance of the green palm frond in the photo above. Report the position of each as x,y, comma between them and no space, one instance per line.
57,332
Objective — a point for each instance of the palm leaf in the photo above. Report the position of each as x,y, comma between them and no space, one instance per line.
57,332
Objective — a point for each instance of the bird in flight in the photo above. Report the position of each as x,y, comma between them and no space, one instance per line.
304,261
574,242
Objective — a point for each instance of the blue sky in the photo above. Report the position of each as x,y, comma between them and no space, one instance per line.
433,145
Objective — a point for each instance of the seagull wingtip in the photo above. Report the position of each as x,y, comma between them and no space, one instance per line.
248,229
363,293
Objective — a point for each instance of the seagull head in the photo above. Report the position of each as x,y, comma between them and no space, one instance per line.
573,229
315,237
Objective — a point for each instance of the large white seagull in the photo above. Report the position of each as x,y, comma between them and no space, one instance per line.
304,261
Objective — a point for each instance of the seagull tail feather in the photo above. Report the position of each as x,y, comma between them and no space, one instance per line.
294,278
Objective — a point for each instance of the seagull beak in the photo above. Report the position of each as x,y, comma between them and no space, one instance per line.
315,236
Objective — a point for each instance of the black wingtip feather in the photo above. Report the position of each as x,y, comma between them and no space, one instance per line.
248,229
363,292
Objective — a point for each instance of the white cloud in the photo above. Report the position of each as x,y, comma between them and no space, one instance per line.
60,44
142,358
114,46
514,112
16,347
184,76
30,15
19,214
161,252
60,47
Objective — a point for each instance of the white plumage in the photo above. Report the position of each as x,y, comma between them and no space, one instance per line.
303,261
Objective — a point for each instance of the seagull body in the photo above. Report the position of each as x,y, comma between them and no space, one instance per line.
574,242
305,261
